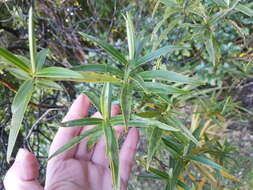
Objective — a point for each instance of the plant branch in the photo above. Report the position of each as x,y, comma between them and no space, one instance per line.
14,89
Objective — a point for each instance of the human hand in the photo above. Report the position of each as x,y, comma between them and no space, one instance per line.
77,168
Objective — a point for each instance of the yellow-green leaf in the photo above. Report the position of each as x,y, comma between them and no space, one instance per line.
112,148
14,60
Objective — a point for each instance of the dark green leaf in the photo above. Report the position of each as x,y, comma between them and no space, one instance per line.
19,74
14,60
211,50
183,185
174,148
73,142
221,14
18,108
82,122
136,121
47,84
204,160
169,2
99,68
108,48
41,58
169,27
155,87
184,130
156,54
139,82
63,74
160,173
168,13
244,9
153,143
168,76
126,102
94,98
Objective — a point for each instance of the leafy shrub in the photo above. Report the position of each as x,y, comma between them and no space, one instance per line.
151,96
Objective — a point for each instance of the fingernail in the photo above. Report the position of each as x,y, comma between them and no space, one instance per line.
21,154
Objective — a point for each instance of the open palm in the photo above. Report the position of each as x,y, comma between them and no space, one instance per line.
77,168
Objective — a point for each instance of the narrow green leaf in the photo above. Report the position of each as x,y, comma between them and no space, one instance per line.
47,84
217,16
155,87
19,74
244,9
126,102
82,122
149,114
41,58
184,130
25,60
18,108
63,74
32,42
150,176
136,121
174,148
168,76
183,185
168,13
172,25
96,77
221,14
14,60
94,98
93,139
153,143
221,3
139,82
59,73
106,101
130,36
204,160
160,173
177,169
73,142
156,54
210,49
112,148
99,68
169,2
119,121
139,45
114,53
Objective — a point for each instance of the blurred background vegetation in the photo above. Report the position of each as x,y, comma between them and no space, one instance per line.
219,52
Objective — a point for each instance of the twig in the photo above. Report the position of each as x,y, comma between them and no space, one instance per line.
38,121
14,89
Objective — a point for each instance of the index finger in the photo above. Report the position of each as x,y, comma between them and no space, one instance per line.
78,110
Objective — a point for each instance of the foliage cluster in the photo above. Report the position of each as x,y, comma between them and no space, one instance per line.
208,43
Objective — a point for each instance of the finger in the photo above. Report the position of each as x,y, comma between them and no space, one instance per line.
78,110
23,173
127,154
99,154
82,152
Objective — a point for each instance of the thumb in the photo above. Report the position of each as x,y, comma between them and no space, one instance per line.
23,173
